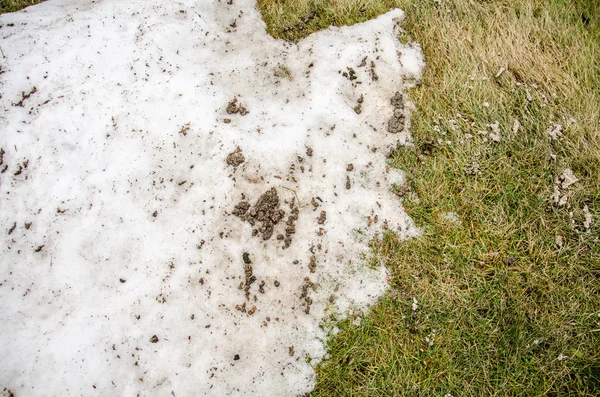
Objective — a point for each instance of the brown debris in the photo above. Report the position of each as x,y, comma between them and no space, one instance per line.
235,158
233,108
314,204
396,123
374,76
266,211
25,96
306,300
322,218
312,266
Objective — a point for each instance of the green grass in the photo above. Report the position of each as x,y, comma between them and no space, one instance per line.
16,5
516,283
294,19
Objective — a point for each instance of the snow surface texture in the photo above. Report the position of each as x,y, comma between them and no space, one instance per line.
122,263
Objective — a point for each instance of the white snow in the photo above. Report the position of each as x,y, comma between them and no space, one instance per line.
119,194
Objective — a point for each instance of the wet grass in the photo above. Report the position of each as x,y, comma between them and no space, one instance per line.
507,298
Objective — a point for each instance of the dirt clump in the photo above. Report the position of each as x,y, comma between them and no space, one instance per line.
396,123
185,129
290,228
241,208
235,158
374,76
350,74
306,300
233,108
9,393
314,204
249,277
312,265
348,184
265,212
322,218
358,107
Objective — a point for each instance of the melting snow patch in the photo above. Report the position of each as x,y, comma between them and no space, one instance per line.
186,197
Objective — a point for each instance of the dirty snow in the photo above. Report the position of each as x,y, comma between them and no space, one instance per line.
123,270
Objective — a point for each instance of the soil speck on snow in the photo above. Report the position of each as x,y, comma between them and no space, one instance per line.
396,123
235,158
265,212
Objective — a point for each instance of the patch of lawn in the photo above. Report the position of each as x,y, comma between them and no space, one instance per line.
16,5
294,19
505,282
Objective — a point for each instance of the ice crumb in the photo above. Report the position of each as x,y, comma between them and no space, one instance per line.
474,169
561,357
495,134
555,131
451,217
415,304
516,127
562,183
588,218
134,274
567,178
529,96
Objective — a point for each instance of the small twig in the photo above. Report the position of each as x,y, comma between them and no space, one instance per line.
2,52
293,191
